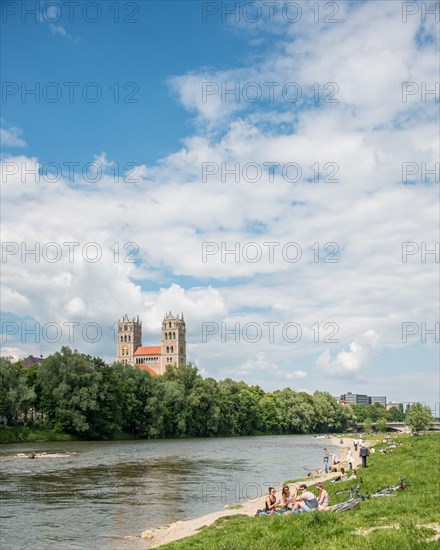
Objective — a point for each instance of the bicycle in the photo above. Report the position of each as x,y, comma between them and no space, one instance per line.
354,491
388,491
344,506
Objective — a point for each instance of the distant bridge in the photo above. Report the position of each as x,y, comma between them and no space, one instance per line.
402,427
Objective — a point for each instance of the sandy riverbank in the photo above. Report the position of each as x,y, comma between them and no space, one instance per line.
181,529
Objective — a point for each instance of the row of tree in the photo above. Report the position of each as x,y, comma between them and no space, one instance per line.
83,396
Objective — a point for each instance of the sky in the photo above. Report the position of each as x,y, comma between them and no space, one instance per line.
270,169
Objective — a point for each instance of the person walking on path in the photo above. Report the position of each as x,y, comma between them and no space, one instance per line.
326,457
363,453
355,444
350,459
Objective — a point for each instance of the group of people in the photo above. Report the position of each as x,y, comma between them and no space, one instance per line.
334,466
292,502
343,476
303,500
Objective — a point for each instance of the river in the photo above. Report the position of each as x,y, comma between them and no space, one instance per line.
111,490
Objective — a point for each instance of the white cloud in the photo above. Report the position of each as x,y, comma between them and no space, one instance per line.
170,212
362,352
76,307
11,137
57,29
261,364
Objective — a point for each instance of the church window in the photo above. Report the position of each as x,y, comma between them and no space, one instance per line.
125,327
168,349
166,336
172,349
122,338
174,335
129,338
169,325
169,336
125,338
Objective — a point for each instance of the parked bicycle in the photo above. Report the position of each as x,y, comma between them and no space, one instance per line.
344,506
388,491
353,491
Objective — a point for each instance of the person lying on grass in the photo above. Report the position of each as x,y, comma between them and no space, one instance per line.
342,477
306,502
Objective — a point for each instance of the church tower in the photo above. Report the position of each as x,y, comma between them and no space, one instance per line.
173,342
129,339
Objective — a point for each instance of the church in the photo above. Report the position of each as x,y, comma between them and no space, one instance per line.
154,359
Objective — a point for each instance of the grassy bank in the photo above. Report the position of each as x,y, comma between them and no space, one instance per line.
13,434
401,522
23,434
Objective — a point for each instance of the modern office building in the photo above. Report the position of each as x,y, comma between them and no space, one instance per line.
361,399
381,400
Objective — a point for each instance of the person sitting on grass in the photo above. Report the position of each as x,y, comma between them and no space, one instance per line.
287,497
306,502
272,504
353,474
323,500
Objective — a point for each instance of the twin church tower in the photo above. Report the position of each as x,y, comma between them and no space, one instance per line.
154,359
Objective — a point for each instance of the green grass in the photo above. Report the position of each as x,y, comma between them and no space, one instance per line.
13,434
418,460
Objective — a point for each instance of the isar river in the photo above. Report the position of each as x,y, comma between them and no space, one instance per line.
110,490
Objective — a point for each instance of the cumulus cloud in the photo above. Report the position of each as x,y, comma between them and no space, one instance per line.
362,352
11,137
349,192
261,364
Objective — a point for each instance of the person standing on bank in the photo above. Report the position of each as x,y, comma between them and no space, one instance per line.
363,453
326,457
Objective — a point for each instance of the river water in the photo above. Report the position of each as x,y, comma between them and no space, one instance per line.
111,490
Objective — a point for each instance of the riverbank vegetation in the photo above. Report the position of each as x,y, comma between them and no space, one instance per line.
408,520
72,394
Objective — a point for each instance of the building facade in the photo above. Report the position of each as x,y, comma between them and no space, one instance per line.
154,359
381,400
361,399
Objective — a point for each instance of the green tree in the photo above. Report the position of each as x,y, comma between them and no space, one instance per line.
203,409
418,417
15,395
69,390
382,425
331,416
360,412
270,414
396,414
376,411
297,415
368,425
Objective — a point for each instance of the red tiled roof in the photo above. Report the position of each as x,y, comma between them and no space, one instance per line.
148,350
148,369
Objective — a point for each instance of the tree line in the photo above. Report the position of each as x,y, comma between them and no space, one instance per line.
83,396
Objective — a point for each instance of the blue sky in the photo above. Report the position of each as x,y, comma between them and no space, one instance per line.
330,108
168,39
